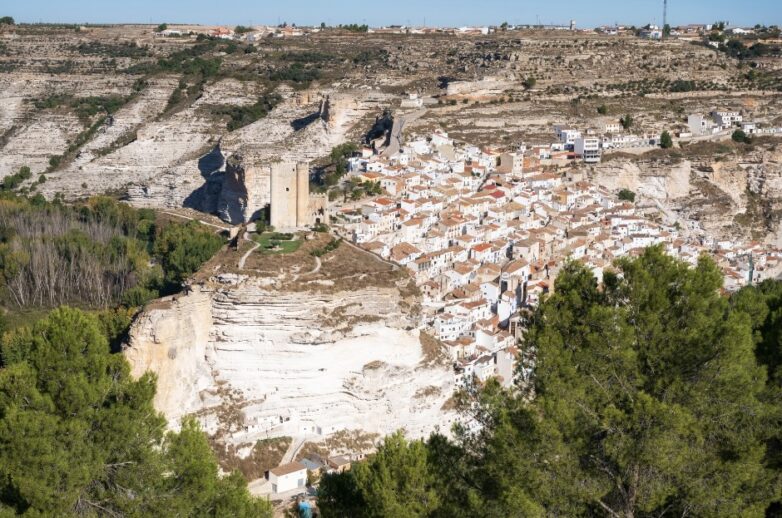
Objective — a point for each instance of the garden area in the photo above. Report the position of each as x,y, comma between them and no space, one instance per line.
277,242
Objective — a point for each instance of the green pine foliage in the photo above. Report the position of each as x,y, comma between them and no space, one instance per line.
397,481
649,395
182,249
666,141
79,436
627,195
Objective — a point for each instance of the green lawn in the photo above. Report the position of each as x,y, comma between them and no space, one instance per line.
285,246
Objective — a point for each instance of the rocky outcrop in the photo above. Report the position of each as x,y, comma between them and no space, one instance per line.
657,180
170,339
730,195
245,191
300,363
486,87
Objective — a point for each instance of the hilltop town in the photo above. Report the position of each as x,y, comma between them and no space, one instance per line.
484,234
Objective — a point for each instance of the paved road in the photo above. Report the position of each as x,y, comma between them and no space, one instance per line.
293,449
400,122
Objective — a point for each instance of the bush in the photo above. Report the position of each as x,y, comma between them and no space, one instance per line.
627,195
182,249
241,116
330,247
12,181
666,141
740,136
296,73
681,85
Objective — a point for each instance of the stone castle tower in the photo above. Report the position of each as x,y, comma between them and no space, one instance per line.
290,195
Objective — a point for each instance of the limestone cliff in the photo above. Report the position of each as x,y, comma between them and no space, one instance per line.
245,191
297,363
170,339
651,179
728,193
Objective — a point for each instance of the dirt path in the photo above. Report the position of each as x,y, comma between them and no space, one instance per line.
247,254
226,229
315,270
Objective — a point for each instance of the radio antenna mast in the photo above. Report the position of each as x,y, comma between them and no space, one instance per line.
665,17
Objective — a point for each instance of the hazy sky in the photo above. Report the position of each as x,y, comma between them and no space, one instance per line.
587,13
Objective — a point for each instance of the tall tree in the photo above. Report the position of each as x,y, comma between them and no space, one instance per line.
646,400
79,436
397,481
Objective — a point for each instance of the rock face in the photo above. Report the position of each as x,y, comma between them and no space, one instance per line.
290,363
303,127
170,339
245,191
728,196
650,179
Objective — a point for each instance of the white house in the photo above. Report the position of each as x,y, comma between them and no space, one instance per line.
726,119
588,148
750,128
288,477
699,125
566,135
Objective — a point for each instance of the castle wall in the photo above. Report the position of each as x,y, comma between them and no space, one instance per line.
317,205
283,195
302,194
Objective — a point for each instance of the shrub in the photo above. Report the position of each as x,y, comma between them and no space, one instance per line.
666,141
627,195
740,136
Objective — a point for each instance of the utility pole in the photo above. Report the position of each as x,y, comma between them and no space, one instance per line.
665,17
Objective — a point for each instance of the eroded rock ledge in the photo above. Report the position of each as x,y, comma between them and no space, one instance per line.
253,361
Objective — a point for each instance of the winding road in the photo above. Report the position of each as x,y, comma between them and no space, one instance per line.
395,140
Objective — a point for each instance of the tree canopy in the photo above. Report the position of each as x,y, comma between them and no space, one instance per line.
79,436
627,195
397,481
666,141
96,254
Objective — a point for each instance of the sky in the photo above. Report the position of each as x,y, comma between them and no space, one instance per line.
586,13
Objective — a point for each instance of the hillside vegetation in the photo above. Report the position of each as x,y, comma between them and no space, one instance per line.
96,255
652,395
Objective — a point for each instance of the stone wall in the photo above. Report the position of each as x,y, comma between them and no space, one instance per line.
284,188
